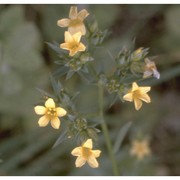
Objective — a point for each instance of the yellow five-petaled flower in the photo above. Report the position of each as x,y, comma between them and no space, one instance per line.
138,94
85,153
72,43
140,149
75,21
50,113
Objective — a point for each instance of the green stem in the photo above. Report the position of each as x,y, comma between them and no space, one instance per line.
105,130
92,71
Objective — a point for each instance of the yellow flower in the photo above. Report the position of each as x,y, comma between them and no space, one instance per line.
138,94
150,69
85,153
140,149
50,113
75,21
72,43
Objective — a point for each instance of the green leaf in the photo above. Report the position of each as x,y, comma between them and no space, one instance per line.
113,99
75,96
121,135
56,87
49,163
92,133
55,47
27,151
69,74
60,71
87,77
44,93
60,139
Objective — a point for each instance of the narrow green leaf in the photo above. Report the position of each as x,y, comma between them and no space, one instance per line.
27,152
69,74
60,139
121,135
113,99
75,96
86,77
56,87
60,71
44,93
11,145
49,163
55,47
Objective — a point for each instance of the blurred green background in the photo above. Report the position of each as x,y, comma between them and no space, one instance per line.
25,63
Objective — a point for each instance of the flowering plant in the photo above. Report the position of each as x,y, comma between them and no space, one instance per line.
76,55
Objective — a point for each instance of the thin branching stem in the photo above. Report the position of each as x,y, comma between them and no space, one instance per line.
105,129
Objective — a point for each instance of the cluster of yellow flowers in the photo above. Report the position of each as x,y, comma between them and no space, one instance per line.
51,113
140,148
76,29
139,94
